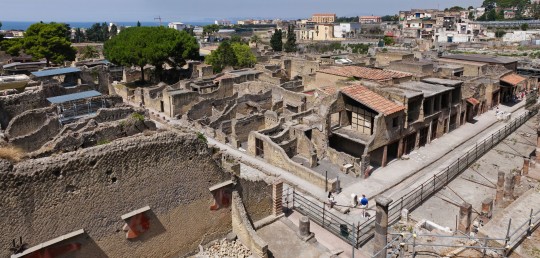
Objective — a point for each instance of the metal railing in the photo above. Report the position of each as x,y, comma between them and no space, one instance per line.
319,213
358,235
399,242
421,193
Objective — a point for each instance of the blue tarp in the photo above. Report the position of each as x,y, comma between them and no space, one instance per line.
74,96
54,72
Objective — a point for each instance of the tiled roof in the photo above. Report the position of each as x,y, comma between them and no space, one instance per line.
473,101
372,99
512,78
364,73
328,90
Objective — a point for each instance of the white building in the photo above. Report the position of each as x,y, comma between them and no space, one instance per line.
177,25
223,22
346,30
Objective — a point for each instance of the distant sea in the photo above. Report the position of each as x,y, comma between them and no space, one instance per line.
23,25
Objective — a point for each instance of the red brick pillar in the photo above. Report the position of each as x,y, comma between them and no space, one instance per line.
465,214
500,189
526,163
487,210
277,198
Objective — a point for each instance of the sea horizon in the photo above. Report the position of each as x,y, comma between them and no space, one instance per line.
23,25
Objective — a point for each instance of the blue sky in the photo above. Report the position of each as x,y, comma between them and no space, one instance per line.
199,10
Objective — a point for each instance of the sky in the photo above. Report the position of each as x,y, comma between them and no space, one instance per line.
203,10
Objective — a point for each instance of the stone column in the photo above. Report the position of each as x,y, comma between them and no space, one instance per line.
509,183
381,226
487,210
385,156
500,189
364,166
400,148
304,226
277,198
526,163
465,212
517,178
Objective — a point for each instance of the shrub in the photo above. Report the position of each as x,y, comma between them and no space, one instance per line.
10,153
138,116
202,138
102,142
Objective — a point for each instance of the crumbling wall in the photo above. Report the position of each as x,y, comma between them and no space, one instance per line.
91,188
276,156
204,107
34,140
13,105
243,228
242,127
27,122
253,87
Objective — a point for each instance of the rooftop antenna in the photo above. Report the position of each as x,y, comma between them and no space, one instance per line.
158,18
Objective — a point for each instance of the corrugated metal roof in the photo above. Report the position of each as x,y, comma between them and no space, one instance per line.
74,96
53,72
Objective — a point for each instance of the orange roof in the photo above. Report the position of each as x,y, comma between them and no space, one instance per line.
324,14
372,99
364,73
512,78
473,101
328,90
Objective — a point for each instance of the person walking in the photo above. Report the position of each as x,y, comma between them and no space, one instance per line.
364,204
331,199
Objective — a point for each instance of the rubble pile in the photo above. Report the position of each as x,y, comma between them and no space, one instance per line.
225,248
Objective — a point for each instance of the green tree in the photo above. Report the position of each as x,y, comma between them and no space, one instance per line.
388,40
138,24
290,44
524,26
388,18
89,52
276,42
79,35
104,31
254,39
48,41
236,39
500,33
210,29
471,15
114,31
1,35
12,47
139,46
222,57
244,56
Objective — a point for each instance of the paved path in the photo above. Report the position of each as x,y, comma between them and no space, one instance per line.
401,176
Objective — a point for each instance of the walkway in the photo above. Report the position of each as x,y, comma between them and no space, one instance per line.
401,176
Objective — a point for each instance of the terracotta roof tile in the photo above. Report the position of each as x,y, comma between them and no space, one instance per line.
512,78
364,73
473,101
329,90
372,99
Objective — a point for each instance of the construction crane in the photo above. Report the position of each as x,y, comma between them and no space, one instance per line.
158,18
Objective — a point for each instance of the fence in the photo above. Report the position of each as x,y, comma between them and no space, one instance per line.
399,242
318,213
361,234
417,196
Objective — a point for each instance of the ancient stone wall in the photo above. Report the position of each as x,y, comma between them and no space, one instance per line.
243,228
35,139
13,105
275,155
27,122
242,127
92,188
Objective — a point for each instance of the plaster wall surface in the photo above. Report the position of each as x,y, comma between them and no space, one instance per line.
91,188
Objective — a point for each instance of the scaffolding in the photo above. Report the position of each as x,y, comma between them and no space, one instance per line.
74,106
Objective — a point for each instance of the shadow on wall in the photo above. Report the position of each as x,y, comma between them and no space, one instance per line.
145,227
